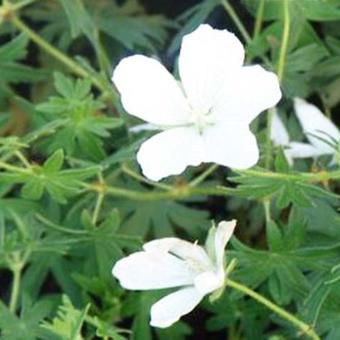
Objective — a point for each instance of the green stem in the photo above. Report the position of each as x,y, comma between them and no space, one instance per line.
47,47
302,176
175,193
203,175
16,270
20,5
187,191
233,15
142,179
285,39
23,159
259,19
60,228
305,328
266,207
97,208
268,151
15,169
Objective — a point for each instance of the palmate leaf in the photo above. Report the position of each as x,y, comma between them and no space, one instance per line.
56,25
283,272
192,19
226,310
329,318
27,326
138,305
322,288
104,244
49,177
85,126
68,322
285,265
286,190
10,69
162,218
126,23
129,24
317,10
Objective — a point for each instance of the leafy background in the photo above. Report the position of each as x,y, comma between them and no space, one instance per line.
72,200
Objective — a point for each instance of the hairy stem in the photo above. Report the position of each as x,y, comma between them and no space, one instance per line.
61,57
16,270
285,39
259,18
199,179
97,207
233,15
305,328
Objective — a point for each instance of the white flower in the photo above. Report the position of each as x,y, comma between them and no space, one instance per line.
172,262
280,137
206,116
322,134
320,131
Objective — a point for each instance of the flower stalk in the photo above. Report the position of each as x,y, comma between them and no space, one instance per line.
233,15
16,265
285,40
57,54
305,328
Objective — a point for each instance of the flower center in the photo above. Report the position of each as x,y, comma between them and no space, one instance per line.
202,119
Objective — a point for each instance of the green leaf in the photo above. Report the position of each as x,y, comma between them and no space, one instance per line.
54,163
192,18
274,236
161,217
68,322
85,126
27,326
12,71
281,163
32,189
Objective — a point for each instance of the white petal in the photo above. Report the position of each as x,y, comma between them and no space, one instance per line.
278,131
207,58
289,157
231,145
170,152
223,234
152,270
169,309
244,96
149,91
208,281
302,150
194,255
315,123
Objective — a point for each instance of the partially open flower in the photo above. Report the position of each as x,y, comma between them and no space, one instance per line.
172,262
280,137
206,116
322,134
320,131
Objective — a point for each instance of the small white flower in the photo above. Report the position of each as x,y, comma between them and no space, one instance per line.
280,137
320,131
206,116
172,262
322,134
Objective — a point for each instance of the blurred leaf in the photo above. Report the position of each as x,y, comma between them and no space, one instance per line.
68,322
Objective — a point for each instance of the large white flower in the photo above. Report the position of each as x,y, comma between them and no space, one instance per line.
206,116
172,262
322,134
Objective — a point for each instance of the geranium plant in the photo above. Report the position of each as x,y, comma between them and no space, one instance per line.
169,170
